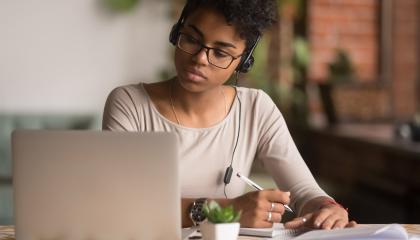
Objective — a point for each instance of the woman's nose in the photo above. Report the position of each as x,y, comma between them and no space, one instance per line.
201,57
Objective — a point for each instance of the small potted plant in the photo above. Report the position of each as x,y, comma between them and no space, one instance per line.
222,223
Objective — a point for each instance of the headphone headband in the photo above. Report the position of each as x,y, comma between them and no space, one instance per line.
247,60
174,34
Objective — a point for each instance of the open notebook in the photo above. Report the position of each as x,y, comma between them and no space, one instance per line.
277,230
369,232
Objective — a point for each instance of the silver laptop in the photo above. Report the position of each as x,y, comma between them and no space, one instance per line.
95,185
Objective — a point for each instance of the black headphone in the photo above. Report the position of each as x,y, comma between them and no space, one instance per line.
247,60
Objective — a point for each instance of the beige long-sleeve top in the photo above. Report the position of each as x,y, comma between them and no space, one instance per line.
205,153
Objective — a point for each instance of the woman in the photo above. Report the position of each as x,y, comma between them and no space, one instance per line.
221,128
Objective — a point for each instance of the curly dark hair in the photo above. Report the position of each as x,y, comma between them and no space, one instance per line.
249,17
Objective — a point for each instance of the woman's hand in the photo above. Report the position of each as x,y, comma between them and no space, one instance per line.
261,208
330,216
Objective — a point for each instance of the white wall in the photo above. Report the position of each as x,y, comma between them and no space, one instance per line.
66,56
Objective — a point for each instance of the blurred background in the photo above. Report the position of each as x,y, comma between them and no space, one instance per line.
344,73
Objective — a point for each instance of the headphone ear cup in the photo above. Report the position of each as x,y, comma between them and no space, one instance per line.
173,36
247,65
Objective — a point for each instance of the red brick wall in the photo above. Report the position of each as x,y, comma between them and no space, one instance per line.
406,60
354,26
348,24
363,103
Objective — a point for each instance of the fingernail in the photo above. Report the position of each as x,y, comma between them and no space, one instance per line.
288,193
317,224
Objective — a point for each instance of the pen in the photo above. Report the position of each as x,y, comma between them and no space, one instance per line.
256,186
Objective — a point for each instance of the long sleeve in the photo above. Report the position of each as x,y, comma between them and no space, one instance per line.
282,160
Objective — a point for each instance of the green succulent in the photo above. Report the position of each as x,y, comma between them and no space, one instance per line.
217,214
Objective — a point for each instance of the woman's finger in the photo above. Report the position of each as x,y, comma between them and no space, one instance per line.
276,207
329,221
340,223
299,221
263,224
351,224
277,196
273,217
319,218
255,219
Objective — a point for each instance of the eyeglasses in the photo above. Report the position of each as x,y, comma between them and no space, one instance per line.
215,56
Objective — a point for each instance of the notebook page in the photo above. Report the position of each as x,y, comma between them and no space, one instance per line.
372,232
277,230
413,237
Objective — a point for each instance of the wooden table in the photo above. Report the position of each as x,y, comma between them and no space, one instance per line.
8,232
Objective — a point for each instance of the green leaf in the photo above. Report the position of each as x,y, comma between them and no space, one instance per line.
217,214
237,216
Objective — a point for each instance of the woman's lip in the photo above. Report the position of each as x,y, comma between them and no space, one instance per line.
194,77
196,73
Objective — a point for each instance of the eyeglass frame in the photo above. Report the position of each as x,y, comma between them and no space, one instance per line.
202,45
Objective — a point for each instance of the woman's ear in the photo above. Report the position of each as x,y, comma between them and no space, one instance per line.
235,65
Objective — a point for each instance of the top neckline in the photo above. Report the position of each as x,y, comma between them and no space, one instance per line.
174,124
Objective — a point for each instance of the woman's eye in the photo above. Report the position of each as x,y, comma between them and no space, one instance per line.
220,53
191,39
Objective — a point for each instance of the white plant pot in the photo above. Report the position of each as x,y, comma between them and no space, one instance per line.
219,231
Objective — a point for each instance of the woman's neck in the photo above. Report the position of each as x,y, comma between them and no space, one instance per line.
207,107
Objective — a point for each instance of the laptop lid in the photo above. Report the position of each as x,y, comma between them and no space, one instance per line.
95,185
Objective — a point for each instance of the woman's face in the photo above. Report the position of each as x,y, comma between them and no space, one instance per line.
208,27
